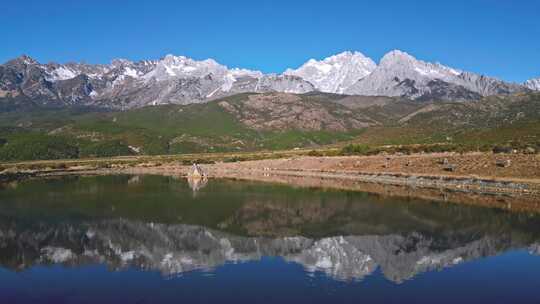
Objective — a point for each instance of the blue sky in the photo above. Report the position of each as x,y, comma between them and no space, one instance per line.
500,38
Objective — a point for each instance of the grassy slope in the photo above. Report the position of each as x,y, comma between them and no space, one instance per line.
167,129
172,129
494,120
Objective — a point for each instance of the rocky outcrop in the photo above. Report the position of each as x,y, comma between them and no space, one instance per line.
280,111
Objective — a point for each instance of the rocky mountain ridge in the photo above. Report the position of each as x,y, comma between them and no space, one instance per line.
401,75
124,84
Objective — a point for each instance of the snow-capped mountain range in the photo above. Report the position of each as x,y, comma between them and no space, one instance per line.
124,84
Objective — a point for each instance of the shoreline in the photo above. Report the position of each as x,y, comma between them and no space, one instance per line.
515,193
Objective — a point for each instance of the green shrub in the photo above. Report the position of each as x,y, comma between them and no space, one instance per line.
187,162
502,149
103,165
355,150
314,153
234,159
59,166
33,167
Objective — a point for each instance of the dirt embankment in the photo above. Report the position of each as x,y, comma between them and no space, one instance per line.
519,167
508,180
475,172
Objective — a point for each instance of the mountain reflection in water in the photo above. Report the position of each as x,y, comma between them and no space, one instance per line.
155,223
174,249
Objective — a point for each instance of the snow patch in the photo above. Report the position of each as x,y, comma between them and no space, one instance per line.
131,72
127,256
62,73
57,254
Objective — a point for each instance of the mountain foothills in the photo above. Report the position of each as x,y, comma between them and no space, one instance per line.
270,121
180,105
124,84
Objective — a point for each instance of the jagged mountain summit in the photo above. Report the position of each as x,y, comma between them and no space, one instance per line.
124,84
533,84
400,74
337,73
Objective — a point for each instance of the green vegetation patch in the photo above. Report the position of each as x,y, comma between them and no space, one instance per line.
35,146
105,149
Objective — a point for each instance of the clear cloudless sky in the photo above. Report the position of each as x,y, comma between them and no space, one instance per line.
499,38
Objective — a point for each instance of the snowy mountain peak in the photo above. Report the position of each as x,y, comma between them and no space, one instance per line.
23,59
400,59
121,62
237,73
396,56
533,84
347,56
400,74
172,58
406,66
180,66
336,73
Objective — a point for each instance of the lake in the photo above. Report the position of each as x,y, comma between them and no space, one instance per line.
157,239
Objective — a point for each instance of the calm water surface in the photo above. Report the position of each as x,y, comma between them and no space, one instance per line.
153,239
